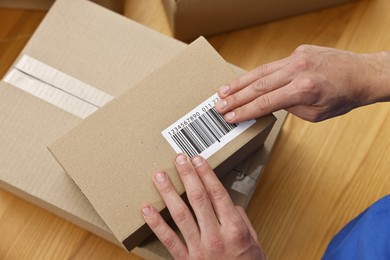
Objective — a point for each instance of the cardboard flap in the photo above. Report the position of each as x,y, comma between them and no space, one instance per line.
112,155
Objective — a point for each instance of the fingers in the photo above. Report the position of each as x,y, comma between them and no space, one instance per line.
197,195
177,208
222,203
254,90
230,234
164,233
250,77
265,104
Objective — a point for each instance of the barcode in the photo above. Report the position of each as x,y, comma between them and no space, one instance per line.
201,133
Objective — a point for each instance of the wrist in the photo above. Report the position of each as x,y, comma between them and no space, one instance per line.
377,77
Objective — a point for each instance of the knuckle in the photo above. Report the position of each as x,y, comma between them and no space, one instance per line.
180,215
168,242
261,71
217,192
304,48
263,102
307,84
185,172
260,85
302,58
197,197
309,92
303,63
239,233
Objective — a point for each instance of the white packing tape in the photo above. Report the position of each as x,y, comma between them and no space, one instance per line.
56,87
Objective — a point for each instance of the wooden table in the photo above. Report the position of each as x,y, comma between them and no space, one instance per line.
319,176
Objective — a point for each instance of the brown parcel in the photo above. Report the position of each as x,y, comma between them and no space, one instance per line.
122,51
190,19
112,154
120,54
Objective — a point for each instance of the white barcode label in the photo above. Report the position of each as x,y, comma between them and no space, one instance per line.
203,131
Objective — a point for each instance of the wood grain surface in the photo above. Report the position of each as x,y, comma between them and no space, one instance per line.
319,176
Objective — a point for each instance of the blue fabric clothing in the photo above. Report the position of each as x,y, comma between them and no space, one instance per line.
365,237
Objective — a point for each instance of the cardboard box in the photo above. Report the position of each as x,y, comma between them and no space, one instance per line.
190,19
115,5
111,156
121,51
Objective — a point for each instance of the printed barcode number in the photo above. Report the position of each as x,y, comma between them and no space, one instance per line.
201,133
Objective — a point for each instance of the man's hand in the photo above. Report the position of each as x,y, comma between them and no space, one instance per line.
220,230
314,83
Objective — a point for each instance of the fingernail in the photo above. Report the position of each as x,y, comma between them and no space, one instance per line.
221,104
146,211
197,161
160,177
181,159
229,116
224,90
